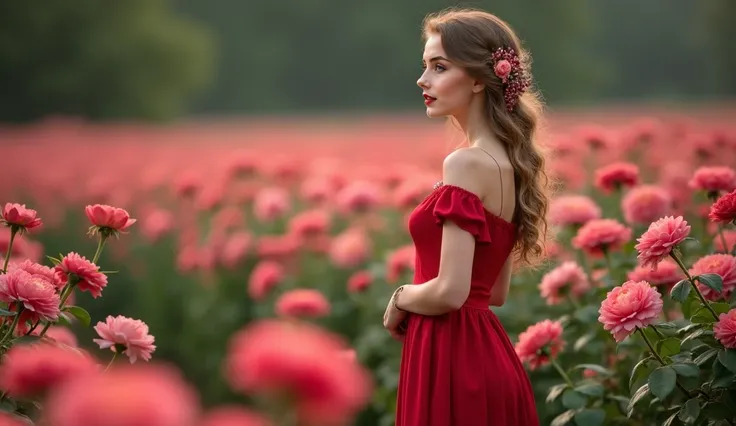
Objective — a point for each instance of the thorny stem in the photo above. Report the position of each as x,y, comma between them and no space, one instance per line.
659,358
695,287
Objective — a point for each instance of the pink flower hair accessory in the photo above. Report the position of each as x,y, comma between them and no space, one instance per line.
507,66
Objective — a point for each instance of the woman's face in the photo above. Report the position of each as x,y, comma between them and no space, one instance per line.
447,88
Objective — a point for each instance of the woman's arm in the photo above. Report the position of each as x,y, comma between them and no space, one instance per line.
450,290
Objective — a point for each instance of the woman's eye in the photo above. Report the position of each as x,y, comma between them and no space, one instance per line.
439,67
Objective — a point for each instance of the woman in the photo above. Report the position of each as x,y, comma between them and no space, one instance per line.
458,366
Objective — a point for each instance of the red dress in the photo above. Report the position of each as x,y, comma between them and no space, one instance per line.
460,368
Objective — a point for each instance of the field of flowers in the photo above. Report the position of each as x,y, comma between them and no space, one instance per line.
223,274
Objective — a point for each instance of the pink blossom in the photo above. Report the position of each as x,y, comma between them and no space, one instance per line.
566,279
233,415
502,69
570,210
32,293
39,271
18,215
540,343
660,239
667,274
350,248
150,395
721,264
616,176
271,204
399,261
645,204
130,334
359,281
724,209
631,305
725,329
112,218
264,277
599,235
714,179
359,196
302,303
83,273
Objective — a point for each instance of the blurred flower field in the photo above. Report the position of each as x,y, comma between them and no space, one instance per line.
262,257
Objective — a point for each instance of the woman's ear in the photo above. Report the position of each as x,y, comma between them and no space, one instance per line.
478,86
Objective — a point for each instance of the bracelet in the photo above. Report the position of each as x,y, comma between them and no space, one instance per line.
395,298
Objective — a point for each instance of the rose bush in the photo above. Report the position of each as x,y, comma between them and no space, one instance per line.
630,320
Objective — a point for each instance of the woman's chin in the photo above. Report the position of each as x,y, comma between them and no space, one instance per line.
434,113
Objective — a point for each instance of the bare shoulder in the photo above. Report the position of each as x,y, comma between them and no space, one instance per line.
464,168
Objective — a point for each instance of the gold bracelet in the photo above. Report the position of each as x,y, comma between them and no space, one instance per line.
395,298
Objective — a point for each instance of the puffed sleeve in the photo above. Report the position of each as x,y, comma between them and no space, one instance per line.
463,208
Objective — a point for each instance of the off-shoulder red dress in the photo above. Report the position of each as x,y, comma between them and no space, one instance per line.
460,368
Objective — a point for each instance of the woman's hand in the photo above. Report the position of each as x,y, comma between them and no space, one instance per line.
394,321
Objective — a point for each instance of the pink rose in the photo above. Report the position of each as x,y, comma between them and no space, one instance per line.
20,216
84,273
104,216
129,333
502,69
724,209
540,343
302,302
725,329
658,241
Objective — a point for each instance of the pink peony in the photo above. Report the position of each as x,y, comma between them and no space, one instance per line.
234,416
30,292
600,235
30,370
660,239
310,223
724,209
631,305
350,248
725,329
359,196
39,271
302,303
540,343
82,273
271,204
124,396
566,279
263,278
18,215
359,281
107,217
569,210
714,179
645,204
721,264
667,274
120,332
616,176
399,261
304,362
502,69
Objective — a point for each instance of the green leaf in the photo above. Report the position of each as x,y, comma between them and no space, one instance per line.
591,389
555,391
573,400
713,281
8,405
667,326
668,347
25,340
54,260
680,291
720,307
590,417
662,382
722,376
690,411
6,313
563,418
705,356
686,369
80,314
638,395
702,316
688,328
727,357
716,411
639,370
595,367
695,334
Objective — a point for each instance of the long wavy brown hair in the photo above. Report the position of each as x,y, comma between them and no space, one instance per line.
469,36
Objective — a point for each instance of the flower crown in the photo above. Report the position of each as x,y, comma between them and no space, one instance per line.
507,66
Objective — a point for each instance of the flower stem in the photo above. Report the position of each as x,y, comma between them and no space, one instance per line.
13,231
114,357
659,333
14,324
659,358
695,287
64,295
562,372
723,238
100,245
